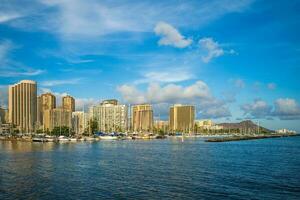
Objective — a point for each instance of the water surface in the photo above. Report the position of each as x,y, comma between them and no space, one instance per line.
155,169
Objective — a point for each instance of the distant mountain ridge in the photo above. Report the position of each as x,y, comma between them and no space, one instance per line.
246,125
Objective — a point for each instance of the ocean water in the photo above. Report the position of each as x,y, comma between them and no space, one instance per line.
154,169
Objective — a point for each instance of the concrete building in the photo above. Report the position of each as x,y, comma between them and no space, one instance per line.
79,122
181,118
22,105
45,102
161,125
207,125
3,115
57,117
142,118
68,103
110,116
110,101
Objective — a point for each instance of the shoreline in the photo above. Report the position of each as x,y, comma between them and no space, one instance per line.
248,137
207,138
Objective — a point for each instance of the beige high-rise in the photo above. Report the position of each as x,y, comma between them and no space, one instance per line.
142,118
110,116
182,118
57,117
45,102
68,103
22,105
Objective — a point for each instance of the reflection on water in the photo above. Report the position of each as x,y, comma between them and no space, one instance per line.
151,169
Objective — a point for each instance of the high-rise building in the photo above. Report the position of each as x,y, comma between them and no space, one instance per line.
57,117
45,102
22,105
79,122
182,118
110,116
3,115
68,103
142,118
39,114
110,101
48,101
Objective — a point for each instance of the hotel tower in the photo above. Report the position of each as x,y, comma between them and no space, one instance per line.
142,118
182,118
68,103
22,105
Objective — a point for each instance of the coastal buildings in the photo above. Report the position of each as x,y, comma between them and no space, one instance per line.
79,122
285,131
3,115
68,103
45,102
22,105
207,125
57,117
142,118
161,125
110,116
181,118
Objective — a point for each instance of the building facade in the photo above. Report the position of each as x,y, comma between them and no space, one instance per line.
79,122
68,103
45,102
22,105
110,116
161,125
3,115
182,118
57,117
142,118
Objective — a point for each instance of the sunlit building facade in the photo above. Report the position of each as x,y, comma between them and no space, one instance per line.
110,116
22,105
142,118
57,117
68,103
181,118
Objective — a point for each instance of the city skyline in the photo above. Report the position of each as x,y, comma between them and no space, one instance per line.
232,64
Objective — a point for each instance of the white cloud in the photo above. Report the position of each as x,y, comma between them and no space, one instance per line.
5,48
6,17
80,18
212,49
197,94
287,108
170,76
284,108
257,109
240,83
60,82
271,86
22,72
85,103
11,68
170,36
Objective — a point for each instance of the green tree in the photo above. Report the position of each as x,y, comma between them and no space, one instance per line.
93,126
64,130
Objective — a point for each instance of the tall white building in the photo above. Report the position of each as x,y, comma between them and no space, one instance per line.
110,116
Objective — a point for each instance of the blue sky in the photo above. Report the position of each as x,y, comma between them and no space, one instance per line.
232,59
